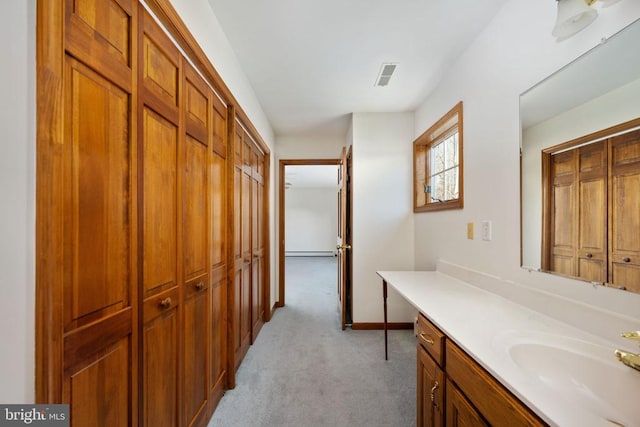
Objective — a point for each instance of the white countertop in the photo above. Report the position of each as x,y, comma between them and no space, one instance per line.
517,345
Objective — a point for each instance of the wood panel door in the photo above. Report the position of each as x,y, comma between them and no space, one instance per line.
91,194
257,242
242,250
218,193
195,255
160,76
624,207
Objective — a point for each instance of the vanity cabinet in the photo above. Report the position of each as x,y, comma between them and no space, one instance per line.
453,390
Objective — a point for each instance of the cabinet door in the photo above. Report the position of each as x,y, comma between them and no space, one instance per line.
460,413
624,208
430,388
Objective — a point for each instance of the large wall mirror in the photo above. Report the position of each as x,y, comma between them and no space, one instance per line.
591,101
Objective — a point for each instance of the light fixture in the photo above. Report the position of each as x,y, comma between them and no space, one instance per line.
575,16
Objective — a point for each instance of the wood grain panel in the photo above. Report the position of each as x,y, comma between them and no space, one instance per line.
218,336
219,124
195,181
97,268
160,370
493,401
100,34
429,376
460,412
195,361
196,105
218,210
99,393
160,139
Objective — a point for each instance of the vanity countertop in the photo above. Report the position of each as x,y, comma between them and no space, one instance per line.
568,376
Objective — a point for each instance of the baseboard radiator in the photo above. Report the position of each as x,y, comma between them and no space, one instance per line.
310,253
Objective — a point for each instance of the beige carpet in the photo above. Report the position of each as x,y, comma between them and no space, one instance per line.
304,371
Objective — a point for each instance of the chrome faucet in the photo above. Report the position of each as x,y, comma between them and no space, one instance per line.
630,359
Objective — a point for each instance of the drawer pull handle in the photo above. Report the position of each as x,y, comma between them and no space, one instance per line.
426,339
433,394
199,286
166,303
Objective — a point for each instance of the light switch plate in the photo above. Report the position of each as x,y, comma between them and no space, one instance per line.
485,230
470,230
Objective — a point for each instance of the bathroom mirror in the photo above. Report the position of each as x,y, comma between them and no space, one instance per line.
597,91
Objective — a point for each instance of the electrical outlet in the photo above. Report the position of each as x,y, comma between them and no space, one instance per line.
470,230
485,230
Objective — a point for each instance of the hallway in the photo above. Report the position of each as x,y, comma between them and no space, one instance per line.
304,371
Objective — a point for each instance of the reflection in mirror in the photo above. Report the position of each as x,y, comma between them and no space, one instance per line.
573,107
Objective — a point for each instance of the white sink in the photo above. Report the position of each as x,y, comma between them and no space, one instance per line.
585,375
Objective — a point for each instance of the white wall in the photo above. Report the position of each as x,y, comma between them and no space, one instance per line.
17,216
513,53
311,223
615,107
383,230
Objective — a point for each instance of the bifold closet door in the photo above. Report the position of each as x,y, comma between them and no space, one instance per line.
195,231
257,242
218,189
93,191
160,279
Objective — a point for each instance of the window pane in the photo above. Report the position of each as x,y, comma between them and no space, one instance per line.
437,188
450,186
451,151
437,158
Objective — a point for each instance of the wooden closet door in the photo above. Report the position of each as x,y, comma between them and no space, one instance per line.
195,239
241,285
246,212
94,196
257,242
219,248
160,284
624,207
592,212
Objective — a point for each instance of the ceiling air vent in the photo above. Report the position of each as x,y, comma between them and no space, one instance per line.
385,74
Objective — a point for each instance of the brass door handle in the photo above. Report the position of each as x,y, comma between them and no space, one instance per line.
166,303
433,394
199,286
343,247
427,340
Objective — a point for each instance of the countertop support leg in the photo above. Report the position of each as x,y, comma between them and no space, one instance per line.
384,302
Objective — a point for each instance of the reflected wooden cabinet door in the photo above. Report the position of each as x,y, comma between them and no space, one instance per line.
563,230
624,205
592,213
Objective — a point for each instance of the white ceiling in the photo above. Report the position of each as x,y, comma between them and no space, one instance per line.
313,62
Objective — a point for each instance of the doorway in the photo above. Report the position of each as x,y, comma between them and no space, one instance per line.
308,190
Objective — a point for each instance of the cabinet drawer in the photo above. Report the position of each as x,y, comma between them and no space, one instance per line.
496,404
431,339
